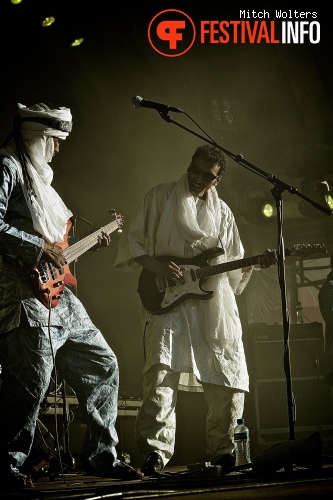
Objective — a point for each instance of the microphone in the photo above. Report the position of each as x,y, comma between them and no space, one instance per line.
138,102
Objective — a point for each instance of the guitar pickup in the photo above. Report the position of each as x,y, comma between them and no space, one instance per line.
53,271
43,272
160,284
58,283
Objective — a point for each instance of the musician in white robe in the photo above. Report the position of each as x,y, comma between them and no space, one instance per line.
196,345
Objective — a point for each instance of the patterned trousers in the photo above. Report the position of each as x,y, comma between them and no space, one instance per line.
88,365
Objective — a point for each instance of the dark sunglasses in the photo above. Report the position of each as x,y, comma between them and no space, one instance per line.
207,176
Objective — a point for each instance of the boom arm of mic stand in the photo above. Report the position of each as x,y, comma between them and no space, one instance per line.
238,158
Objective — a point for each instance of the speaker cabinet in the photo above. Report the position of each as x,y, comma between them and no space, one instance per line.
306,345
268,383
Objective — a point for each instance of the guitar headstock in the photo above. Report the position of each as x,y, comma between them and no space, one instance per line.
120,222
118,218
302,250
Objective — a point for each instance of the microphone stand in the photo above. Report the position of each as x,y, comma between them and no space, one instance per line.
67,457
277,192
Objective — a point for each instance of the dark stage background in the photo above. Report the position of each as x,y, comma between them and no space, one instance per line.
281,102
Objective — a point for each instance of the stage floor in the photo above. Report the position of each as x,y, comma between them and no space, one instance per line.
175,482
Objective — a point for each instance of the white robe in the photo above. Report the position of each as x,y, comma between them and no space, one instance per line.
202,339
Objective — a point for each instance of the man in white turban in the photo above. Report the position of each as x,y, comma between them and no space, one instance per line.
35,338
191,344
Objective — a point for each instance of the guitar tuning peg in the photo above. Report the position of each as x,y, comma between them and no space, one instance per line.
112,212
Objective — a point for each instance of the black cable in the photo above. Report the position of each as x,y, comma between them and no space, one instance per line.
55,393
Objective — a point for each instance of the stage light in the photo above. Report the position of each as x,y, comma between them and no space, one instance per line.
221,113
268,210
48,21
256,206
260,211
318,191
77,42
16,2
329,200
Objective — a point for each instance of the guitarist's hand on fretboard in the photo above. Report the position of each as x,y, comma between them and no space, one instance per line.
267,259
103,240
53,254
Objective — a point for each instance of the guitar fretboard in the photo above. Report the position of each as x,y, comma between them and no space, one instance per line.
205,272
74,251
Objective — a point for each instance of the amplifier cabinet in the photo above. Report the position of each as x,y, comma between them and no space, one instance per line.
266,353
313,402
268,385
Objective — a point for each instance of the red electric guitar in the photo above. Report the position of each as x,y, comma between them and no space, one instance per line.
48,282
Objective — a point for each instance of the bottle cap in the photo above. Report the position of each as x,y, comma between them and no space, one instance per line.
240,421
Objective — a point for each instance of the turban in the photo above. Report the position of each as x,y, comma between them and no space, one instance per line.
41,120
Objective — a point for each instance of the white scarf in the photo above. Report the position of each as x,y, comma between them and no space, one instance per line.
180,223
48,211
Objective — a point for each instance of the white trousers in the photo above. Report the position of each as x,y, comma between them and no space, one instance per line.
156,419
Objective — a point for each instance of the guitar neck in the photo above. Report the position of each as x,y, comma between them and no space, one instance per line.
300,250
74,251
206,272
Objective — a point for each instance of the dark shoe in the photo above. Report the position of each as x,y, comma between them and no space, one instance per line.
152,464
124,472
226,461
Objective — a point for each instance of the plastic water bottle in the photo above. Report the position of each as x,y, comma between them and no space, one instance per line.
299,314
242,443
